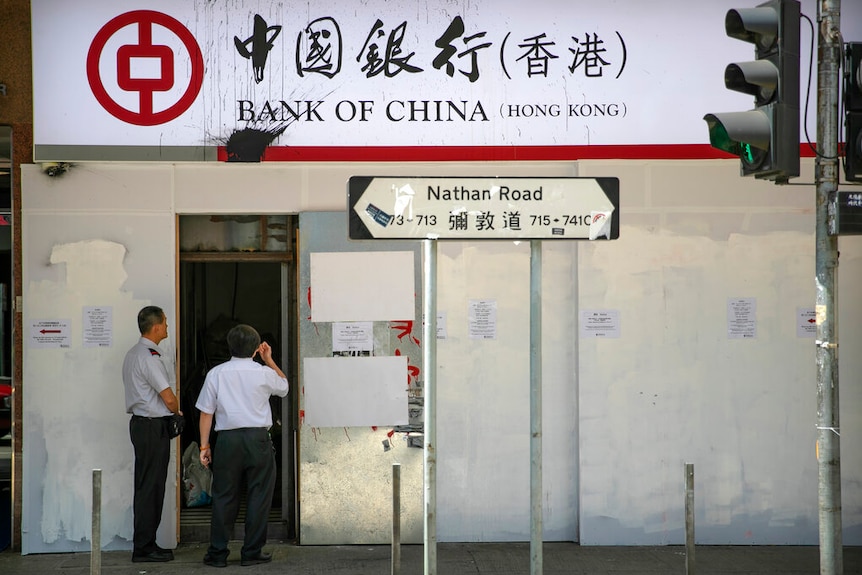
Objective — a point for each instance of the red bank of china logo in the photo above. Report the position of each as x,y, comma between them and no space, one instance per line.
145,49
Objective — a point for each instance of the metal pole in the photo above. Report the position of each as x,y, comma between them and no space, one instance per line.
429,361
826,179
396,518
96,536
535,407
689,518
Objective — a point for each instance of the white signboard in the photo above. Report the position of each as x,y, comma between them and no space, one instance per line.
362,286
355,391
555,79
50,333
483,208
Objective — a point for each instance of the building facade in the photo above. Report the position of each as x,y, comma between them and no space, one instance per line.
687,339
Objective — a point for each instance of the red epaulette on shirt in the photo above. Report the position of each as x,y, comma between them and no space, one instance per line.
154,352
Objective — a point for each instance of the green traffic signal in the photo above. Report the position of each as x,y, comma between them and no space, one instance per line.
745,143
718,138
766,139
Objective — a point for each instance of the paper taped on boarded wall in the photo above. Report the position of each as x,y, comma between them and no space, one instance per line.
355,391
357,286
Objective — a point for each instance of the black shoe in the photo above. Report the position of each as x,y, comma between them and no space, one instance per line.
256,559
167,552
152,557
214,561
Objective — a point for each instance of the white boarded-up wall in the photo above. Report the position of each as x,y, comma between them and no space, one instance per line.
676,388
621,416
105,238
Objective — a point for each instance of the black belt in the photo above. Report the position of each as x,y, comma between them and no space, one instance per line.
160,418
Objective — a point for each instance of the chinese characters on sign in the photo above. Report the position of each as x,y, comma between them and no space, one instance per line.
388,52
319,49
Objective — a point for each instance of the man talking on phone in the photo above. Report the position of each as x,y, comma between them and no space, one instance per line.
236,394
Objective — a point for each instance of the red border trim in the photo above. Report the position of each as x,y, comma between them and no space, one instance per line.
492,153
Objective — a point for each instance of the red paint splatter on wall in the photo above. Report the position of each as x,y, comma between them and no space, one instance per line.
412,370
406,330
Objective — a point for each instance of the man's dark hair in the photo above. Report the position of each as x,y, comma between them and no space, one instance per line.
242,340
150,316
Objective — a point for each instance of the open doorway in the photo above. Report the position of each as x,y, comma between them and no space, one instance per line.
237,269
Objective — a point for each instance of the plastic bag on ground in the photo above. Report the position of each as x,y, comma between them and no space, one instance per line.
197,479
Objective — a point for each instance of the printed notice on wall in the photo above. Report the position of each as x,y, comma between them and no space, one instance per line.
48,333
482,319
98,326
806,322
600,323
353,338
741,318
442,330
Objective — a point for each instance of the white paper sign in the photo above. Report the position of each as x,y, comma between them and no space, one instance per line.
482,319
600,323
442,331
98,326
362,286
742,318
353,337
50,333
355,391
806,322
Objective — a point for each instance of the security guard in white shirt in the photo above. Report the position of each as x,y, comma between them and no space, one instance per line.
151,401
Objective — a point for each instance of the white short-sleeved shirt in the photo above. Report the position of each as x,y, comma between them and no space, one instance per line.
238,393
145,377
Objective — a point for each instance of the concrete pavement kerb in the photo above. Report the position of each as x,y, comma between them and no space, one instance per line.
452,559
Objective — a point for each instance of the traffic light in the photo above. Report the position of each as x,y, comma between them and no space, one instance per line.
853,112
766,139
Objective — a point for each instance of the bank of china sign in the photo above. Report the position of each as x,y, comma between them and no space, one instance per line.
165,75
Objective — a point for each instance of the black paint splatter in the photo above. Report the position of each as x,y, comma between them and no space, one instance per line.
249,144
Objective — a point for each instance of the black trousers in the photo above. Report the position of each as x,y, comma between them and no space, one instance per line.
244,453
152,455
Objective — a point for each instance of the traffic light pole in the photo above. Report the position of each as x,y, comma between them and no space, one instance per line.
829,53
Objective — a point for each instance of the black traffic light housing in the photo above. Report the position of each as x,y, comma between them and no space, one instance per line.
853,112
766,139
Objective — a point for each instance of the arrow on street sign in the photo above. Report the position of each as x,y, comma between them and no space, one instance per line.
492,208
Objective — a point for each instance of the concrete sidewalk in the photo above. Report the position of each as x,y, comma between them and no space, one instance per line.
453,559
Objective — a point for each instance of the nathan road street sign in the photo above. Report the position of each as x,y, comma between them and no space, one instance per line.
491,208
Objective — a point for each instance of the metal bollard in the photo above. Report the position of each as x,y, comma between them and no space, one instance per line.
96,537
689,519
396,518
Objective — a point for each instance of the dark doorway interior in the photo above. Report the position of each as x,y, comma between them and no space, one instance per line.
220,289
